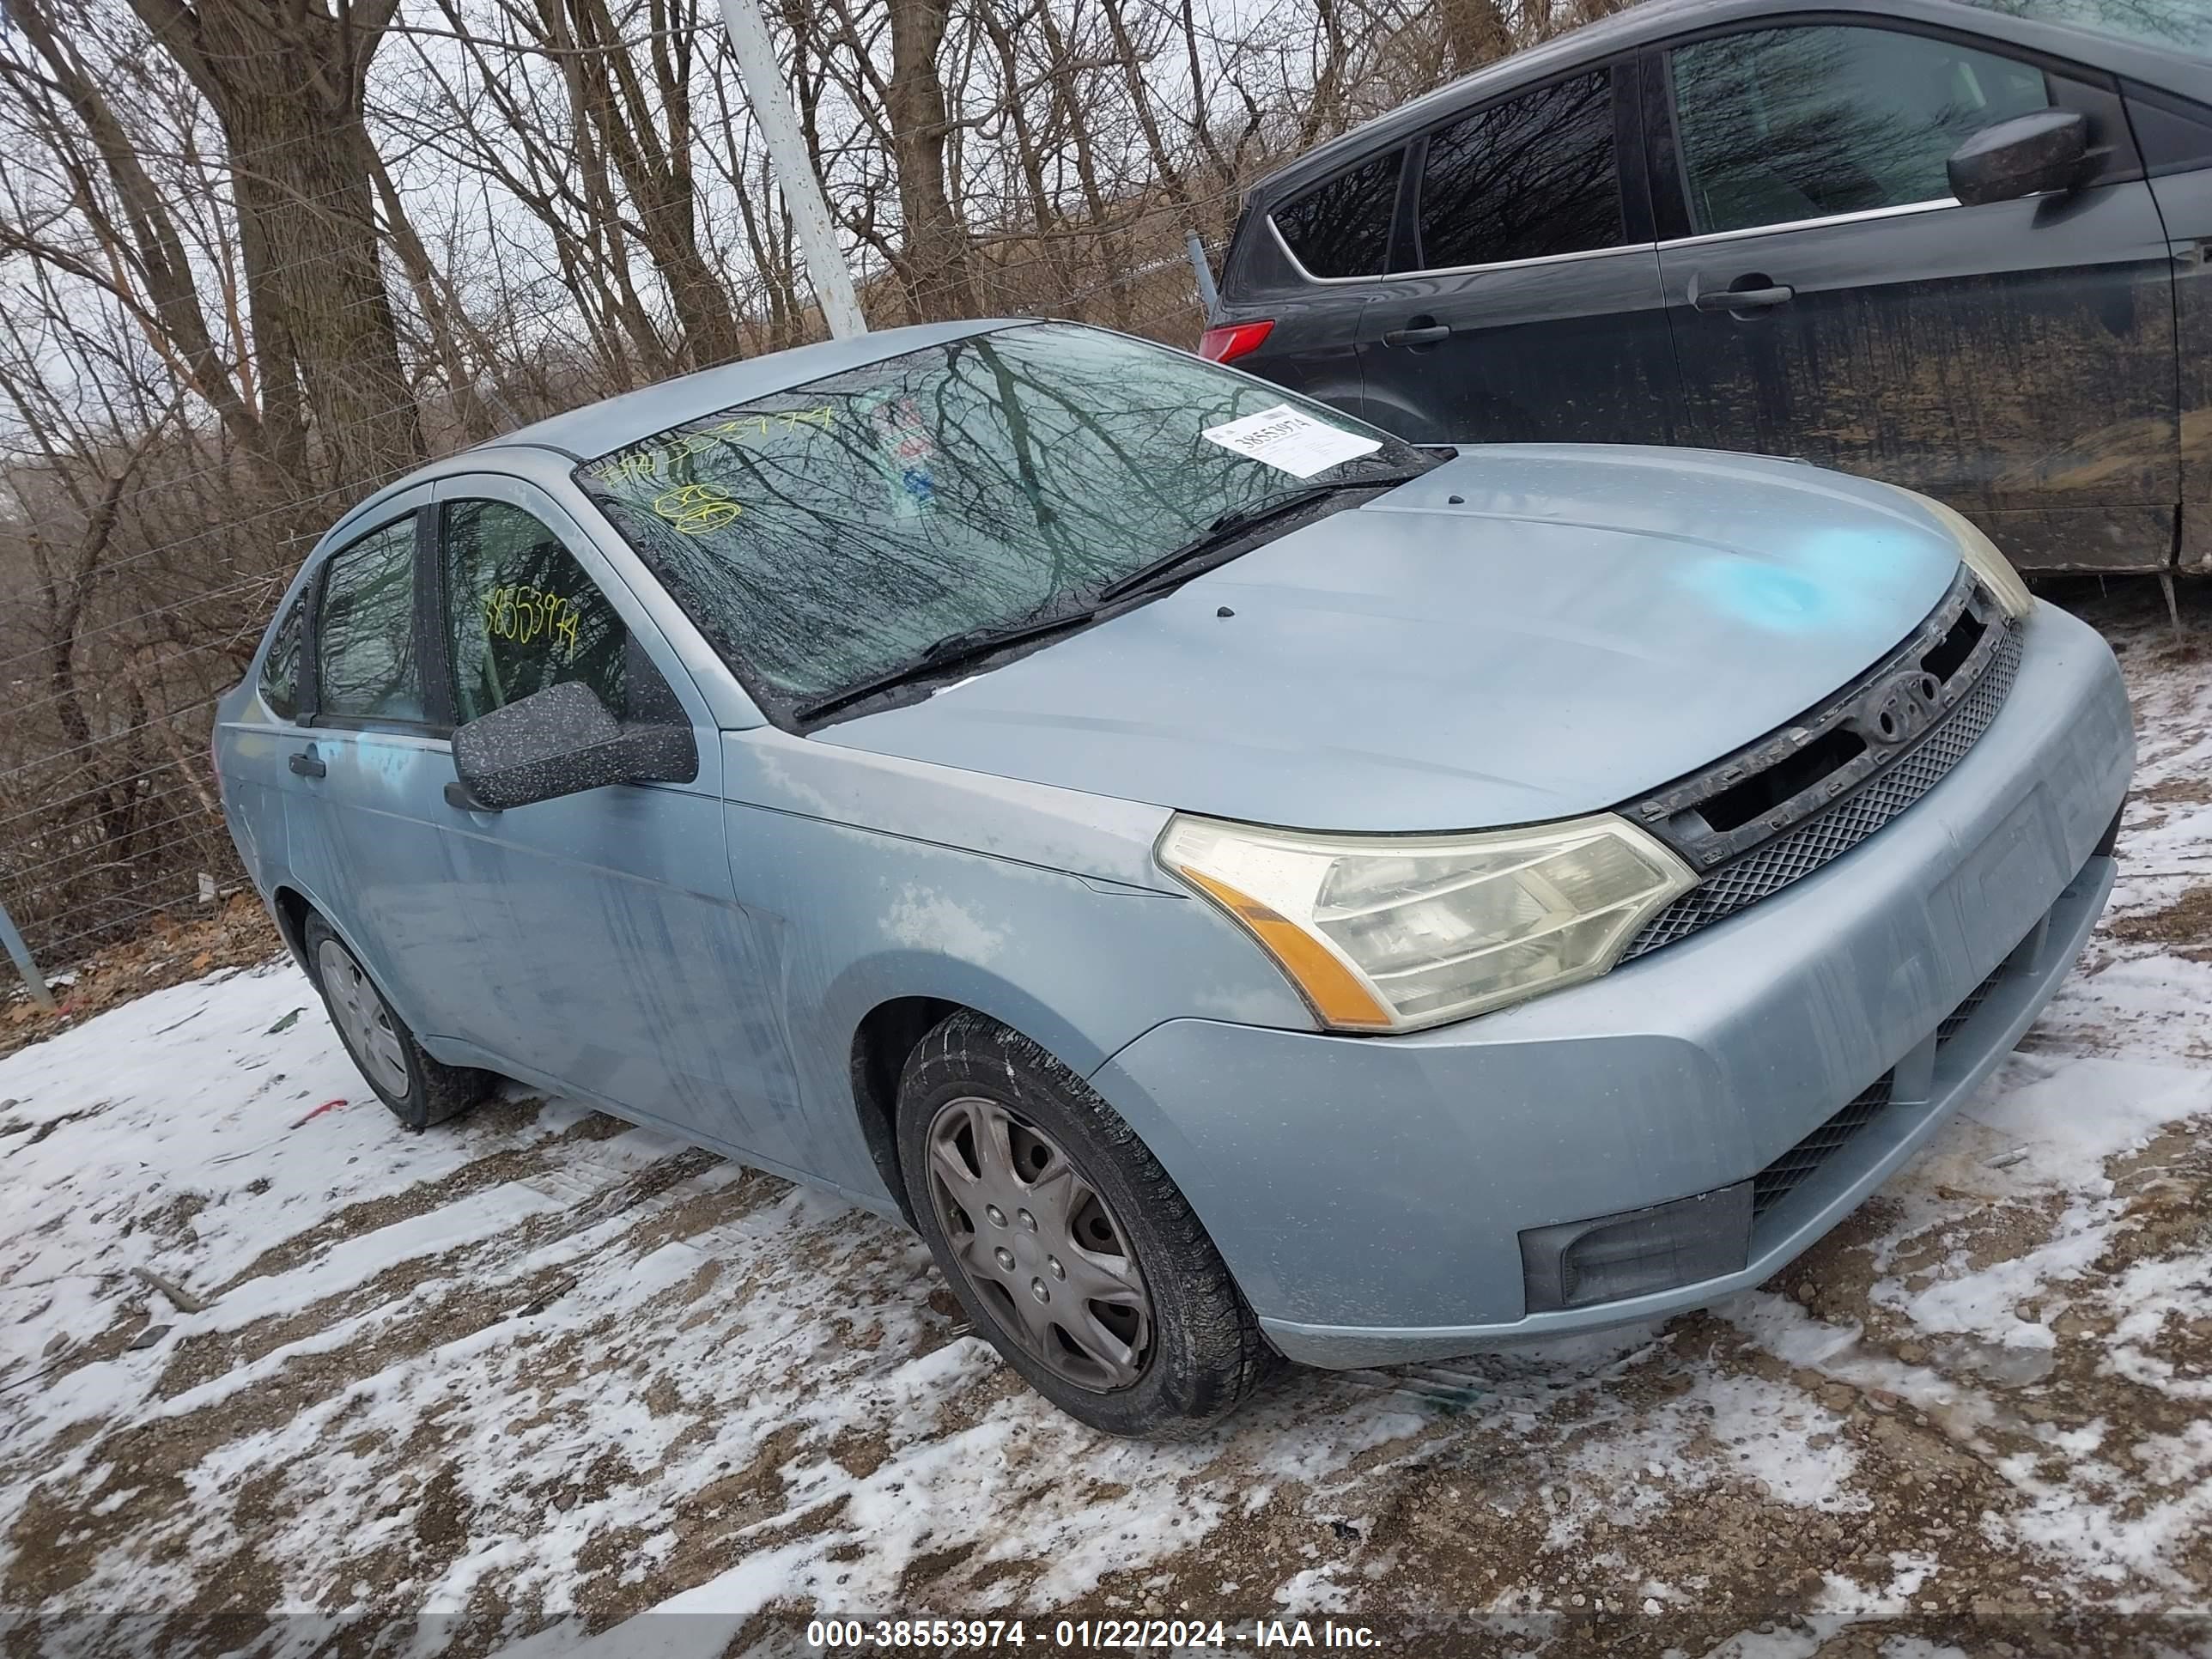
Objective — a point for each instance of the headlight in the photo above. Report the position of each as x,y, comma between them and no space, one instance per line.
1390,933
1983,558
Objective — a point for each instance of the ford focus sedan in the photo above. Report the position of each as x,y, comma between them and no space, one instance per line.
1239,884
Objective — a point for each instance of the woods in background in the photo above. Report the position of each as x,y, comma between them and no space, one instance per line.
260,255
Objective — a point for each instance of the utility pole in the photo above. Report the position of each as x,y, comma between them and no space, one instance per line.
794,167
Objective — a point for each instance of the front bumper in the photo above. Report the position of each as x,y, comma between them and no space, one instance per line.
1369,1192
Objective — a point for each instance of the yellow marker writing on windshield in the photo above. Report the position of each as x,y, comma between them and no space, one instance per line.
694,509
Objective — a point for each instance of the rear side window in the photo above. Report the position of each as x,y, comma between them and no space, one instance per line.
1527,179
280,668
1782,125
365,660
521,613
1342,228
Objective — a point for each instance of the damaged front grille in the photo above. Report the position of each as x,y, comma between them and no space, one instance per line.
1956,1020
1788,1172
1746,861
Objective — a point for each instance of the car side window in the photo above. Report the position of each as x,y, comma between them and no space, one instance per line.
1528,177
366,667
280,666
1342,228
1782,125
522,615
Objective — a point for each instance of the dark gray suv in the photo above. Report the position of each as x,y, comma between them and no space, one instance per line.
1958,247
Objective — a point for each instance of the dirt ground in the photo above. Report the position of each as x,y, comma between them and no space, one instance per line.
278,1378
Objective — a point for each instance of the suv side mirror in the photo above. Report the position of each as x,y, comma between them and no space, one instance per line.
561,741
2024,156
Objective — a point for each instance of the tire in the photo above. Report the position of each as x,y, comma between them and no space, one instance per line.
1167,1347
430,1091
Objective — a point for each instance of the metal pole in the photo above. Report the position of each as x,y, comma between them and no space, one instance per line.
1207,294
794,167
33,978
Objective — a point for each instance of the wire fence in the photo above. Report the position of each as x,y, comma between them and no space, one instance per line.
113,658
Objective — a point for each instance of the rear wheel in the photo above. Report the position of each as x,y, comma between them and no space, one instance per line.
419,1089
1066,1241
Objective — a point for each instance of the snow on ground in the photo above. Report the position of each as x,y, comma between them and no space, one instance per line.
514,1384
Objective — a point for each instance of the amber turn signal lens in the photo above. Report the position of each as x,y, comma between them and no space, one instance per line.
1340,999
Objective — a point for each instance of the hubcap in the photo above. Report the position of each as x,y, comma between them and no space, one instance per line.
1037,1240
362,1019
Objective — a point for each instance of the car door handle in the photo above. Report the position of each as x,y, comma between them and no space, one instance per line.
307,764
1421,334
1744,298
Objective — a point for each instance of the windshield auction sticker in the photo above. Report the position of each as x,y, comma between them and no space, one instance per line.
1291,440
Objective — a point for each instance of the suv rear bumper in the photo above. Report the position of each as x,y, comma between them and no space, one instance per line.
1371,1194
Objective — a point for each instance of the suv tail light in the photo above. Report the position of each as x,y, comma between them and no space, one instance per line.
1232,340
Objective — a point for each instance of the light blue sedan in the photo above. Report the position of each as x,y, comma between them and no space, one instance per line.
1239,884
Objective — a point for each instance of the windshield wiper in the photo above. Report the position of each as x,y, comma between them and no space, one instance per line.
966,646
1232,525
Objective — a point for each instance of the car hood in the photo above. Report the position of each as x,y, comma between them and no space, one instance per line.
1522,633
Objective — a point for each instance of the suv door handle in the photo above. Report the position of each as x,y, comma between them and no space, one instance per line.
307,764
1419,332
1743,299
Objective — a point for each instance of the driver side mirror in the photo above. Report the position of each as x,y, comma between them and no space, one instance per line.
563,741
2024,156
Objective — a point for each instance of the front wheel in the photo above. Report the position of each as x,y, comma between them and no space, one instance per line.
1064,1240
421,1091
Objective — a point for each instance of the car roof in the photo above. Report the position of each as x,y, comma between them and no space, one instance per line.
592,430
612,423
1659,20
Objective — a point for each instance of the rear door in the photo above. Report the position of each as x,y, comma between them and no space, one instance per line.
1525,303
363,777
623,965
2015,359
1301,274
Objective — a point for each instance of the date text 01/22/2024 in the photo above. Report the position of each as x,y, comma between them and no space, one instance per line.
1085,1635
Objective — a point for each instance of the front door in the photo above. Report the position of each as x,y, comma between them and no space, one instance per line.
626,969
1831,301
1526,304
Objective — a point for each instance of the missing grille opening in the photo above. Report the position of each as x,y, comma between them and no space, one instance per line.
1762,792
1775,862
1951,651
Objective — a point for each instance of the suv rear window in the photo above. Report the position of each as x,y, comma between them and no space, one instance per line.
1527,179
1342,228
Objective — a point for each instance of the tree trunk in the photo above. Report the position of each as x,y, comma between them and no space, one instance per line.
935,239
1474,32
284,78
655,169
1133,78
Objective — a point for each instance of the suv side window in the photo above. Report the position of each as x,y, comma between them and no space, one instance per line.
365,663
522,615
1527,179
280,668
1782,125
1342,228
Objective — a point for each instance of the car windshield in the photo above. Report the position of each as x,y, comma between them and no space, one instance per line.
828,535
2177,25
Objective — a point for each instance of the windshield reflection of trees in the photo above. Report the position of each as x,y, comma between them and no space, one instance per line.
1047,464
